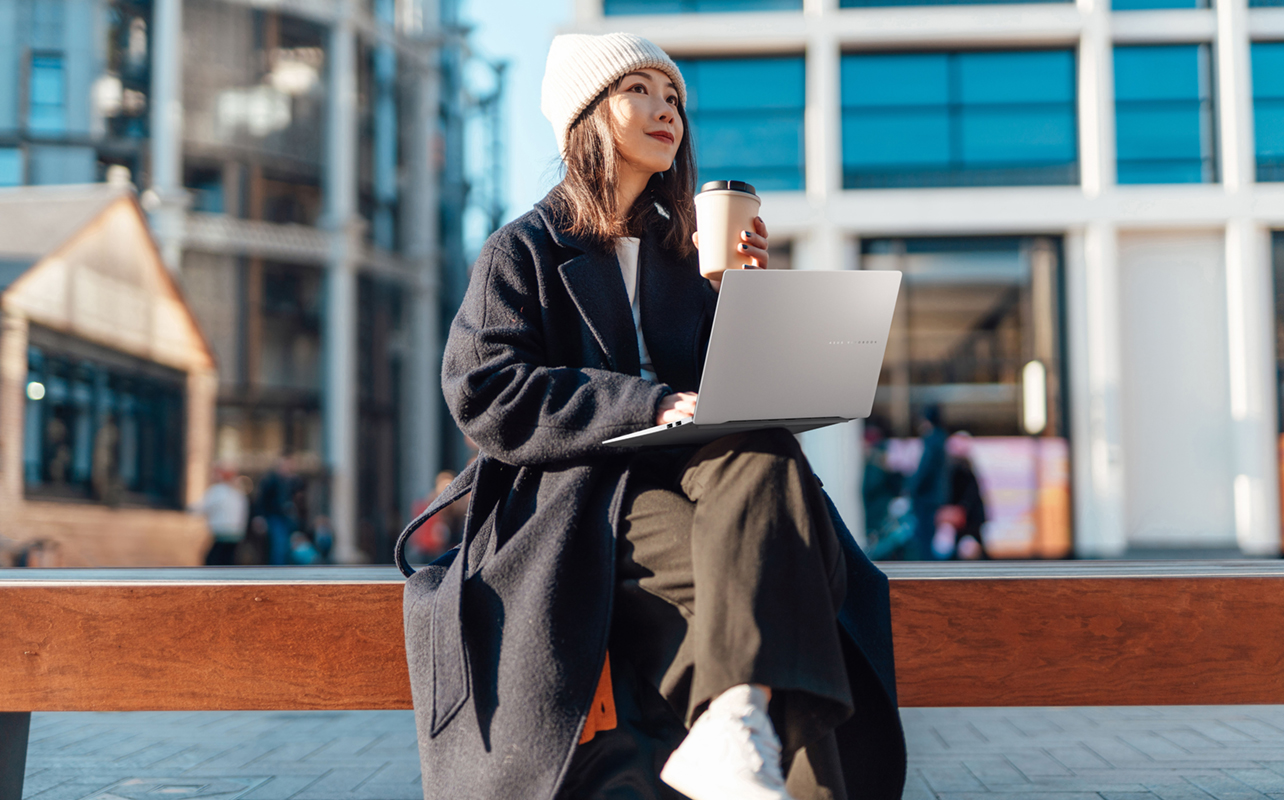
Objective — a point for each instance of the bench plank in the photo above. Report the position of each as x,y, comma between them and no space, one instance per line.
965,635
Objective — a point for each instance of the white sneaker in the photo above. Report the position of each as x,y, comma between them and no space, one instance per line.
731,752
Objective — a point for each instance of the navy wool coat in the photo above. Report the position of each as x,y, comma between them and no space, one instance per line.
506,639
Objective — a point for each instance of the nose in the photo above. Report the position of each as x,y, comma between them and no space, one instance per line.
665,113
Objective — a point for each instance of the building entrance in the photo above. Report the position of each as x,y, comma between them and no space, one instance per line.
976,348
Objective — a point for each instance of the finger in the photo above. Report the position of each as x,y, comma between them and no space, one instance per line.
760,226
759,254
754,239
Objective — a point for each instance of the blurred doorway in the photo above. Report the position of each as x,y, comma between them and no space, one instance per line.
976,341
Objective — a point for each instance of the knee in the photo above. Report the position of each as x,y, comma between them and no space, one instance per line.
773,441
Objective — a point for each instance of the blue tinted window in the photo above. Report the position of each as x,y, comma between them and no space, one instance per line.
47,96
696,6
10,166
1265,3
871,3
952,119
754,136
1164,114
1142,5
1268,109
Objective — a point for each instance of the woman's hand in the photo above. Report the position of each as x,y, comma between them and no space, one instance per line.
752,243
674,407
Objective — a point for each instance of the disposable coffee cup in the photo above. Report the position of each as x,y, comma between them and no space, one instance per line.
723,210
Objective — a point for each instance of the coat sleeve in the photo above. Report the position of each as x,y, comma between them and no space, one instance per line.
501,389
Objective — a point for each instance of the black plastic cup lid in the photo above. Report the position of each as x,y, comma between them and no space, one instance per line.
735,186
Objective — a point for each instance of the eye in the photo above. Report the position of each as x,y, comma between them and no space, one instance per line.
673,99
638,87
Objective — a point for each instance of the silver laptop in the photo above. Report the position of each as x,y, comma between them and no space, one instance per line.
796,350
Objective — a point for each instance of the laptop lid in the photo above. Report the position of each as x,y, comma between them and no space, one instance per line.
796,345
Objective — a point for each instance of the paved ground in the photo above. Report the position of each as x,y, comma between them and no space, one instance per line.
1180,753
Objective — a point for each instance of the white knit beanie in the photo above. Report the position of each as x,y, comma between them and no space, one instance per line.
581,65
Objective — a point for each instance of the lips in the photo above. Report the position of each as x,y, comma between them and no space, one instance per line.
663,136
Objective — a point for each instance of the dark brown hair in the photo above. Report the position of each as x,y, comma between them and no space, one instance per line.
586,195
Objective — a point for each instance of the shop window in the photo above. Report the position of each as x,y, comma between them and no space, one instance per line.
754,136
101,426
975,343
611,7
47,94
1164,127
1268,109
1003,118
11,166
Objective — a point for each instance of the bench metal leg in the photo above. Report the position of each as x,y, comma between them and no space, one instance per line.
15,729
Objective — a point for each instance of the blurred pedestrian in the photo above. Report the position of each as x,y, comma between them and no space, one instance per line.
886,532
929,485
959,521
444,530
277,491
226,510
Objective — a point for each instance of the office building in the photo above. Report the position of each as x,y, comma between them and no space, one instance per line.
288,155
1081,196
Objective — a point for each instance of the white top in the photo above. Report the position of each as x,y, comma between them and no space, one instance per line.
626,250
226,510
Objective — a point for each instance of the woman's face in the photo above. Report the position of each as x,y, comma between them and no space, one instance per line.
648,128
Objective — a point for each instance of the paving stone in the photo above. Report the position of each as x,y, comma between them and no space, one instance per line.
1224,787
951,778
1263,780
916,788
1182,753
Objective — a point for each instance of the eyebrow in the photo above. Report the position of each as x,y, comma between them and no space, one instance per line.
648,77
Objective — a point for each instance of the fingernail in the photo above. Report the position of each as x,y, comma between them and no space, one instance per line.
745,234
744,246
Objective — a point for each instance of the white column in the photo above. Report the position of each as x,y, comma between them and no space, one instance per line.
167,201
1096,99
834,452
421,451
1234,96
1252,387
339,334
1092,288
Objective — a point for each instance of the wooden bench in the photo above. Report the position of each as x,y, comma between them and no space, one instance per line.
989,634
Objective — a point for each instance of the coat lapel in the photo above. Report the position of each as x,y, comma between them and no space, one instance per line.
596,286
674,297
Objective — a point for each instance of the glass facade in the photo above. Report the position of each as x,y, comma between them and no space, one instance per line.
121,94
959,119
10,166
101,426
1268,109
1164,126
612,7
754,136
380,149
47,94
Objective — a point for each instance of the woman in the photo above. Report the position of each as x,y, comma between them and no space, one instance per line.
585,319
